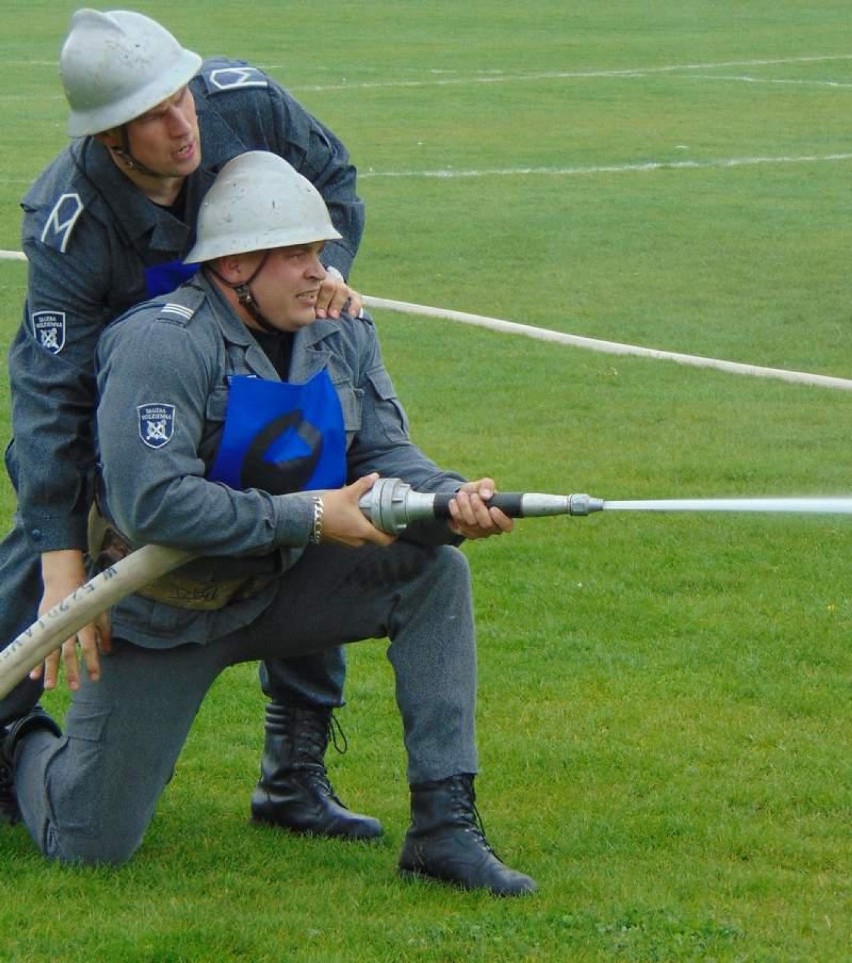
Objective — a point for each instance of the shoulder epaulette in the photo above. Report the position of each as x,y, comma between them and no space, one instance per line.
60,222
181,305
222,76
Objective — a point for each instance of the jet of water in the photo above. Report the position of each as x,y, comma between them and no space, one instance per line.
811,505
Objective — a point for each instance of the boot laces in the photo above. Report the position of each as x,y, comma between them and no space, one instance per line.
335,733
469,813
315,769
318,772
317,776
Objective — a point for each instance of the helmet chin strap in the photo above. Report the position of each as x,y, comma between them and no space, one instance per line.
126,157
245,296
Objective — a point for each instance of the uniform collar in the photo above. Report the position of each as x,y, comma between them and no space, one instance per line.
135,215
309,351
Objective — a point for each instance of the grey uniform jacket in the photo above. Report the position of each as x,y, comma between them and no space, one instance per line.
91,236
181,353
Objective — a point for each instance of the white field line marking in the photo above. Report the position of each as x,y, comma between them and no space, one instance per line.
721,163
642,167
608,347
27,95
745,79
504,78
560,75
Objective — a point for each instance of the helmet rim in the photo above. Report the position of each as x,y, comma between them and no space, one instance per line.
259,202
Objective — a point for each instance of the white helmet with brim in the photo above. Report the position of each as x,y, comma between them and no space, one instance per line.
259,202
115,66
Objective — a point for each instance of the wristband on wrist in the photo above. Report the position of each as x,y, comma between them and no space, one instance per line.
316,529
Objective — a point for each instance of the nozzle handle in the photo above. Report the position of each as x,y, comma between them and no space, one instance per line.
530,504
510,503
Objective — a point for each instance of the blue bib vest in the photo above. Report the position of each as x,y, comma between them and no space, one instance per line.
281,437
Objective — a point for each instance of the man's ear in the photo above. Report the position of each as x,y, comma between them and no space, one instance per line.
230,267
110,138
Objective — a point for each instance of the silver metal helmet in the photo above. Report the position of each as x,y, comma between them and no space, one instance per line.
258,202
115,66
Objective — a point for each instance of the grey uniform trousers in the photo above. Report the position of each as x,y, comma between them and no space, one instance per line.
89,795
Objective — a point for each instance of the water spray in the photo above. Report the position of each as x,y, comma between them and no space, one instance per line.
392,505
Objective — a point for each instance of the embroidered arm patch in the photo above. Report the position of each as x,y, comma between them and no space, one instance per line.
49,329
156,423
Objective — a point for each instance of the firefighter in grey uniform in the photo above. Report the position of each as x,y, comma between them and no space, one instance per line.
204,446
97,244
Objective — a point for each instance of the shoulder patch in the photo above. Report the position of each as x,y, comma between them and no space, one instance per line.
61,221
156,423
235,78
49,330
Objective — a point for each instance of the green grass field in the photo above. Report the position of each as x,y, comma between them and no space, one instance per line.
664,708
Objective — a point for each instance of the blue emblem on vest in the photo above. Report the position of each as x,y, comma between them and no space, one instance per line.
163,278
282,437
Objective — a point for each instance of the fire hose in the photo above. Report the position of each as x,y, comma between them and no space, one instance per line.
391,505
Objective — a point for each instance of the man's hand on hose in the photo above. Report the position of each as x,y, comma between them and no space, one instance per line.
63,572
344,522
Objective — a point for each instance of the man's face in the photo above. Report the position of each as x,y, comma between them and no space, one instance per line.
165,139
287,286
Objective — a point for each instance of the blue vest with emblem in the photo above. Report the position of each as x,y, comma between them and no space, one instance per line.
282,437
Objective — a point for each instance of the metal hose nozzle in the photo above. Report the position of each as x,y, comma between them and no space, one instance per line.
392,505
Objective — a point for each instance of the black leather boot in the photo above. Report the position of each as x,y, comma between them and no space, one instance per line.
446,841
294,792
10,735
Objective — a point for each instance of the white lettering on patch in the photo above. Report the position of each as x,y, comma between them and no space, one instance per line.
156,423
49,330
